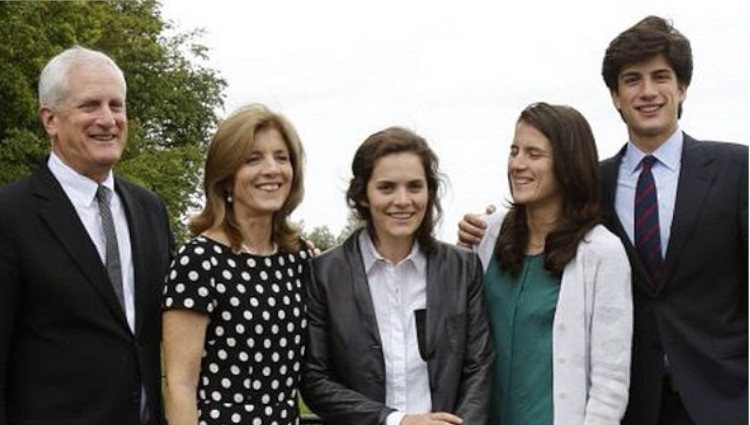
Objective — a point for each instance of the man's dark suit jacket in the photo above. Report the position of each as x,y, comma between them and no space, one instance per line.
67,355
344,373
697,315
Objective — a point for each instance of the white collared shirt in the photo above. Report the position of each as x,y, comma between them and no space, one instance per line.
82,194
398,290
666,172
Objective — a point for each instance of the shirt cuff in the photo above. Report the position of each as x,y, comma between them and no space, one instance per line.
394,418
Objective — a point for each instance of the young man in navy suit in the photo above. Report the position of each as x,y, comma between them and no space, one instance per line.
83,255
683,221
690,334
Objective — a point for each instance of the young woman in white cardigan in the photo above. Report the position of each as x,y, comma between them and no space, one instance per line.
557,282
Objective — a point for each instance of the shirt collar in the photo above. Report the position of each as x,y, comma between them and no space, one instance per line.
371,256
668,154
80,189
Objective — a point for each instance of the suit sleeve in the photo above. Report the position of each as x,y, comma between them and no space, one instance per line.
742,212
10,284
474,391
610,338
167,227
335,403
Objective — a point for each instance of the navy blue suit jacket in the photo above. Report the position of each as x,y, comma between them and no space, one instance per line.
698,314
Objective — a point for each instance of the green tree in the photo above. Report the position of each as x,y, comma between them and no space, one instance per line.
171,102
322,237
352,223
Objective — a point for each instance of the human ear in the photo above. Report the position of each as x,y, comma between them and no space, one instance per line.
616,99
48,117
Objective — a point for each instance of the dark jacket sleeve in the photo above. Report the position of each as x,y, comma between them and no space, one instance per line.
334,402
9,297
475,387
742,210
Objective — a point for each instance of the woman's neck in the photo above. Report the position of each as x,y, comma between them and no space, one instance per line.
394,249
257,235
540,223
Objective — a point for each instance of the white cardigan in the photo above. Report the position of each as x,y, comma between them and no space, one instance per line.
592,329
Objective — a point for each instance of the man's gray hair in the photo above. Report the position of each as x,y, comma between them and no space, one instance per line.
53,81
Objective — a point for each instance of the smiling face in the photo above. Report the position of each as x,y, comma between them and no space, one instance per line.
648,96
531,170
89,126
397,197
262,183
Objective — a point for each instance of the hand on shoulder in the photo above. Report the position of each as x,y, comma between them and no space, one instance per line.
473,227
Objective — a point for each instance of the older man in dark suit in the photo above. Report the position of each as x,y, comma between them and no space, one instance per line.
680,208
82,259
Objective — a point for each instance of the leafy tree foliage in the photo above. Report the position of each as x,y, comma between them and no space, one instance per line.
171,100
322,236
352,224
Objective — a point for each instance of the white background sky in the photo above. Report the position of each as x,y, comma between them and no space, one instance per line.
456,73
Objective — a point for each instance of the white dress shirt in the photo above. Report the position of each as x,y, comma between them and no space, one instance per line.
666,172
398,290
82,194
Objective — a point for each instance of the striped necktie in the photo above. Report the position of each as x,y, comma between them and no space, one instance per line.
647,235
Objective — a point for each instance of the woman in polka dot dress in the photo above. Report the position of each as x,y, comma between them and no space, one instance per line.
233,310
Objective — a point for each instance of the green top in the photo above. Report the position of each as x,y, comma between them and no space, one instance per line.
522,309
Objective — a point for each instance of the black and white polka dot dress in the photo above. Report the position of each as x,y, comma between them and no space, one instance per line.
255,338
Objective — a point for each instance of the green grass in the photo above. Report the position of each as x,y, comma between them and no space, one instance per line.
303,409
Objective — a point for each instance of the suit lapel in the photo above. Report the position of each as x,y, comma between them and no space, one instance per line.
434,319
361,289
697,174
609,174
61,218
135,216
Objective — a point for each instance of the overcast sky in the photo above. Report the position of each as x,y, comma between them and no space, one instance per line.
456,73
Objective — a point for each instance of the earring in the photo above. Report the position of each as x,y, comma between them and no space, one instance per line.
229,198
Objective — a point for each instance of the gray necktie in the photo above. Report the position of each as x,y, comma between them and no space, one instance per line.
112,256
114,269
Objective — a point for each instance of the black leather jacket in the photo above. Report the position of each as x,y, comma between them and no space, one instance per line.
344,372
